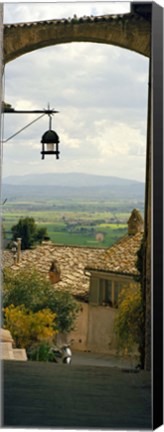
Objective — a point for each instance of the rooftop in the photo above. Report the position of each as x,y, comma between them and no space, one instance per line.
70,259
73,261
121,257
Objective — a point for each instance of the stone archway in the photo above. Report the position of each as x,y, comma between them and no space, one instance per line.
131,31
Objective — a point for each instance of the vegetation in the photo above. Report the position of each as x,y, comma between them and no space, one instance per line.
41,351
74,221
77,226
35,293
28,231
141,279
29,328
128,319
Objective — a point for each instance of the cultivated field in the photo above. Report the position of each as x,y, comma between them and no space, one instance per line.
74,221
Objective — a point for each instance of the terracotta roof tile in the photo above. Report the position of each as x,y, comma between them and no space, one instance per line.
72,260
121,257
110,18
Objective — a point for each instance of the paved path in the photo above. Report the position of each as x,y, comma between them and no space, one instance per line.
98,359
51,395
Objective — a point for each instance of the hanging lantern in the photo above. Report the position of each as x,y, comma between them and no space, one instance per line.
50,143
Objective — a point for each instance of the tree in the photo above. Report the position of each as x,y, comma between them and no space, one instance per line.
28,231
66,308
35,292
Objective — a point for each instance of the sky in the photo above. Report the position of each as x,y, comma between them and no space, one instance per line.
100,91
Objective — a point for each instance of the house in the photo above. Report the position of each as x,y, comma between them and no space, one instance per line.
64,266
93,276
116,269
117,265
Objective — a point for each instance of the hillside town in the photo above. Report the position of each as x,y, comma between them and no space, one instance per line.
93,276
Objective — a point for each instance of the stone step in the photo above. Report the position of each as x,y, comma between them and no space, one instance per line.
20,354
6,351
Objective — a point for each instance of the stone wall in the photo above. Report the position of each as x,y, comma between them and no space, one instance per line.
94,329
7,349
130,31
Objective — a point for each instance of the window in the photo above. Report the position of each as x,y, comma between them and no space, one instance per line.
105,292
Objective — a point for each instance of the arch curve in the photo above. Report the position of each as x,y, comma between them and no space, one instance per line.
130,31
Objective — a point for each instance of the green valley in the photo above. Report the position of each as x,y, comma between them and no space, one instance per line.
76,209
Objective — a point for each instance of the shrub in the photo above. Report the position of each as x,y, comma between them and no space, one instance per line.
128,320
27,327
35,292
41,351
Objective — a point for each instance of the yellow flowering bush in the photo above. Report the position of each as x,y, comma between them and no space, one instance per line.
27,327
33,290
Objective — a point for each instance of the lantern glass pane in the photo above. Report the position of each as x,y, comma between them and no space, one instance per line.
50,147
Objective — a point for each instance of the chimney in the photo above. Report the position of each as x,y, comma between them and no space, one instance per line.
135,223
54,272
16,250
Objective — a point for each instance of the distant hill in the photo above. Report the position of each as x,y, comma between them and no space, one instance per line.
71,185
68,179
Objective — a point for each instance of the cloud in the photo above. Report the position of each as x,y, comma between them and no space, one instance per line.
117,139
100,90
19,12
